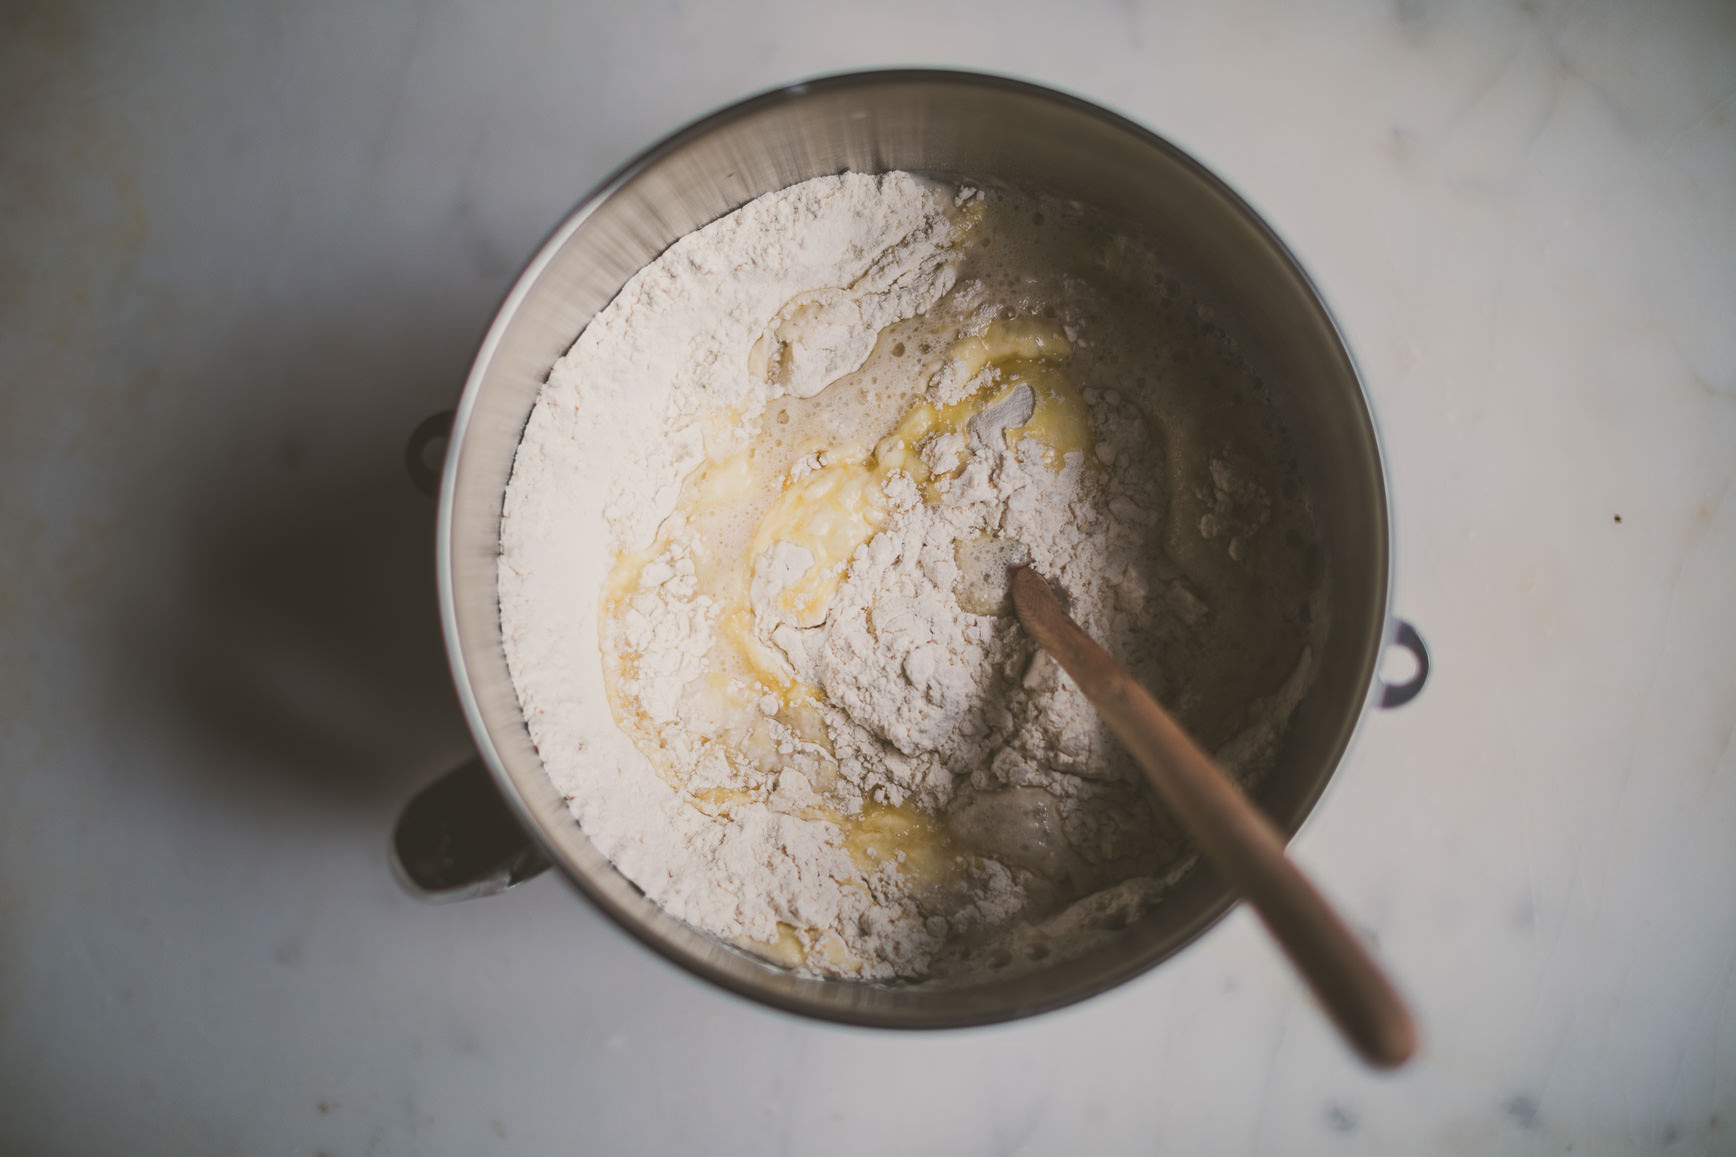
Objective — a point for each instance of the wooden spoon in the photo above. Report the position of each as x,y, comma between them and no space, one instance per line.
1239,842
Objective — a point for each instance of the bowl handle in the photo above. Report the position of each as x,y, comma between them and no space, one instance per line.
424,476
1398,694
456,840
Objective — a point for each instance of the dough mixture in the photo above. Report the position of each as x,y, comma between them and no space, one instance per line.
739,572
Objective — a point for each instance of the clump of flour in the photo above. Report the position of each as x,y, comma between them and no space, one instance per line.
889,780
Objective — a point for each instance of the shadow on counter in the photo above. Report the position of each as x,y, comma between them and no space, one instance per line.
303,651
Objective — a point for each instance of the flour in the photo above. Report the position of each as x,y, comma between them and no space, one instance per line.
736,619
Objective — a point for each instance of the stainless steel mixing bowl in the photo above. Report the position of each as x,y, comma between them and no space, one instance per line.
959,126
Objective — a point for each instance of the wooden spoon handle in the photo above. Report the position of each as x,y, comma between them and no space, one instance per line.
1239,842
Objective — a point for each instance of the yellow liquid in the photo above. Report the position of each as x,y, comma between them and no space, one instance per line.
865,429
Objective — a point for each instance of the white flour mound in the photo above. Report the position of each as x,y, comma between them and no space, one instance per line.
679,364
925,708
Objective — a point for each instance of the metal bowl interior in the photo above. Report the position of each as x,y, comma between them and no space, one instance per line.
958,126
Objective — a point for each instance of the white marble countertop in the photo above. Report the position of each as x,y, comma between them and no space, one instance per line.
243,249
